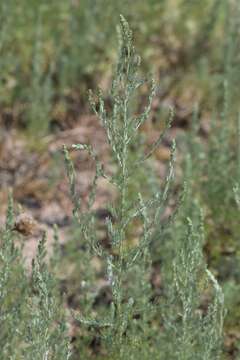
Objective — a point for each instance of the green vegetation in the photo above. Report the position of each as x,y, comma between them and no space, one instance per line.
33,322
160,279
52,52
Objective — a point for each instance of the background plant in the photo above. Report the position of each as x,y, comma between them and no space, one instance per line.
32,314
193,49
50,69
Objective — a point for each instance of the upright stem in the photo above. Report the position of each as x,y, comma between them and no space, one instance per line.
123,195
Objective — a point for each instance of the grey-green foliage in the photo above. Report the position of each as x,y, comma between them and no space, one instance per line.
130,326
127,326
46,330
194,314
127,263
12,291
33,319
213,169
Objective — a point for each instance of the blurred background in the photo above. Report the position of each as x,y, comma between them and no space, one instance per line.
52,52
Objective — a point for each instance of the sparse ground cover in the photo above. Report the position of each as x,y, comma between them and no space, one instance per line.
141,267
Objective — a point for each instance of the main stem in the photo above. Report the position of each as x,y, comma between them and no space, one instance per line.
122,210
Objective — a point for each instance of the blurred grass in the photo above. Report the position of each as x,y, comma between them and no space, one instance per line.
51,52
